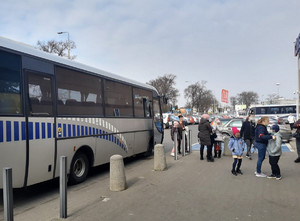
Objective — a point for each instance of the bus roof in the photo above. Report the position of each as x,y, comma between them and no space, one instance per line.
271,105
30,50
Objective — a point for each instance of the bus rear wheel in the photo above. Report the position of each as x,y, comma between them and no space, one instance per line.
79,168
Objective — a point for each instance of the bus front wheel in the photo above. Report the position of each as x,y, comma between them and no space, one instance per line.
79,168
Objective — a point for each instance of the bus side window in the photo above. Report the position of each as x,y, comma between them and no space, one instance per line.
40,94
10,84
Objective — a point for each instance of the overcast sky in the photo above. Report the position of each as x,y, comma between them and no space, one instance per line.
238,45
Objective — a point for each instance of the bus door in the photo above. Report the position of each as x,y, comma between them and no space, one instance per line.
158,122
40,126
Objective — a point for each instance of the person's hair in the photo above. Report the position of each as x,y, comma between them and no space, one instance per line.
262,119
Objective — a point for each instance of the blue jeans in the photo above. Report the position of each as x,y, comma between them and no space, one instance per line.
261,155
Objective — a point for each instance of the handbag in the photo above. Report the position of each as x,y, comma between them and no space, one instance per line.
296,135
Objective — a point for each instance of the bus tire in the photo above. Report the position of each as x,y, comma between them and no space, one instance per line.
79,168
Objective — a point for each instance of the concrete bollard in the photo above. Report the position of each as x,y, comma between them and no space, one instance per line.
226,151
117,173
160,162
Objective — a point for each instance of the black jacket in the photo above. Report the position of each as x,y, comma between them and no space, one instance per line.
248,130
205,131
261,134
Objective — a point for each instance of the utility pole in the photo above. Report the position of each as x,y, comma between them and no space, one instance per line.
297,53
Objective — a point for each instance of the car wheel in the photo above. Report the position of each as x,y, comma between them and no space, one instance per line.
79,168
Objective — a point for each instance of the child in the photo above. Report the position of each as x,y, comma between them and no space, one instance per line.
236,145
274,151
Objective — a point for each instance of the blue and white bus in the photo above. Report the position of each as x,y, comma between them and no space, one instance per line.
52,107
275,110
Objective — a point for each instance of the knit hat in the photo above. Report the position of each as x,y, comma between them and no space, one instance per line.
205,116
235,130
275,127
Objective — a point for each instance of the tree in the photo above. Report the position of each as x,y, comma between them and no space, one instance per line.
272,99
165,86
57,47
199,97
247,98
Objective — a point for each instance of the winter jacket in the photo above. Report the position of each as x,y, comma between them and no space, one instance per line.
179,132
218,130
291,119
297,125
274,146
237,146
204,132
248,130
261,134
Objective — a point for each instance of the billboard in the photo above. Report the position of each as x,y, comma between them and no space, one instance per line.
224,96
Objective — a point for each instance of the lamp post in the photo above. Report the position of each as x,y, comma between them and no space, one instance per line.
297,104
65,32
277,84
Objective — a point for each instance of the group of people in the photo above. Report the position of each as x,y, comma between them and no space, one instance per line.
250,134
240,140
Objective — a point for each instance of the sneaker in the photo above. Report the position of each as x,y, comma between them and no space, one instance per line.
278,177
272,176
239,172
233,172
297,160
261,175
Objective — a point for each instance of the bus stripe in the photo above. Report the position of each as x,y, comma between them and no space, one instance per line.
1,131
43,130
37,130
23,125
69,130
90,131
86,130
78,130
59,132
30,130
65,130
8,131
49,129
16,130
82,130
74,131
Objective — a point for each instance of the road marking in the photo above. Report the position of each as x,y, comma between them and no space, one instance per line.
290,147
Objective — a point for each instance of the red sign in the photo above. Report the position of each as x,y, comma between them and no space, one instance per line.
224,96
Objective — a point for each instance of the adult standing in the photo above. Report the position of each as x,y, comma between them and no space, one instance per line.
217,128
297,126
181,124
291,119
248,133
205,131
261,138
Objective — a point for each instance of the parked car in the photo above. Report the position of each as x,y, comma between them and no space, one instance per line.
234,122
284,119
196,119
238,122
191,119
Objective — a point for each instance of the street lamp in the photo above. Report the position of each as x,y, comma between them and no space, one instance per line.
278,84
297,104
65,32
